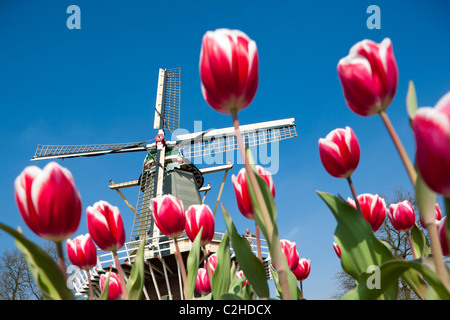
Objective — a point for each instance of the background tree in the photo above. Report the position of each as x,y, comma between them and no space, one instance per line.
16,281
398,241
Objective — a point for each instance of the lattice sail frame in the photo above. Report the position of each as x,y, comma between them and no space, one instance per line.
168,100
223,140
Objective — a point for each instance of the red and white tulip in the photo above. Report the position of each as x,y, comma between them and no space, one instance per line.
369,76
339,152
202,284
243,198
228,70
48,201
114,286
303,269
105,226
431,128
169,215
200,216
373,208
402,215
82,252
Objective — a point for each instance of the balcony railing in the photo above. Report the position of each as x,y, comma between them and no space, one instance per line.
154,247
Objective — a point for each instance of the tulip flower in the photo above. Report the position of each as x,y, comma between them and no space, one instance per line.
438,216
228,70
48,201
202,284
198,216
442,231
431,128
337,249
82,252
290,250
339,152
105,226
170,218
369,77
114,288
243,198
303,269
169,215
402,215
373,209
240,274
212,262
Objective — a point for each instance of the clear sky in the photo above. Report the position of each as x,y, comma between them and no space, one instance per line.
98,85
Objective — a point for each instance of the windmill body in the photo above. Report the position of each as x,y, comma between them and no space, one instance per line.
167,169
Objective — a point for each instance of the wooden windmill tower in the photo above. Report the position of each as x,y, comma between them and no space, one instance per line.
167,169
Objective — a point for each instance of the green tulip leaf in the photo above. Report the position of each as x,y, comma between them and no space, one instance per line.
361,250
388,275
221,275
136,280
253,267
411,100
104,295
46,272
192,265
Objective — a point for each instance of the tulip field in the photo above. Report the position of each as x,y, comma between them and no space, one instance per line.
266,263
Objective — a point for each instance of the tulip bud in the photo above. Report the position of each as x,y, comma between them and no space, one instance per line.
202,284
431,128
240,274
339,152
169,216
228,70
369,77
290,250
373,209
105,226
337,249
402,215
82,252
114,287
48,201
200,216
438,216
243,198
303,269
442,231
212,262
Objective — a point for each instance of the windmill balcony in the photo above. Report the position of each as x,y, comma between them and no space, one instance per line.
163,278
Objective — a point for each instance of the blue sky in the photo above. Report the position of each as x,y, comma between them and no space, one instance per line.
98,85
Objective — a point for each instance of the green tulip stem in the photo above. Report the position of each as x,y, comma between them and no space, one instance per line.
436,252
62,265
413,251
121,275
355,196
91,293
274,241
183,270
208,267
258,241
401,150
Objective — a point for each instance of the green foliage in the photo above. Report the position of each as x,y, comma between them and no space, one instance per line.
46,272
136,280
253,267
192,265
364,257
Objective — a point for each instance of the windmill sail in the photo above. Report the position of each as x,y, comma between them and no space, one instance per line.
45,152
167,108
223,140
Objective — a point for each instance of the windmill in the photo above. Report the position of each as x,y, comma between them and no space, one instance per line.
167,167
